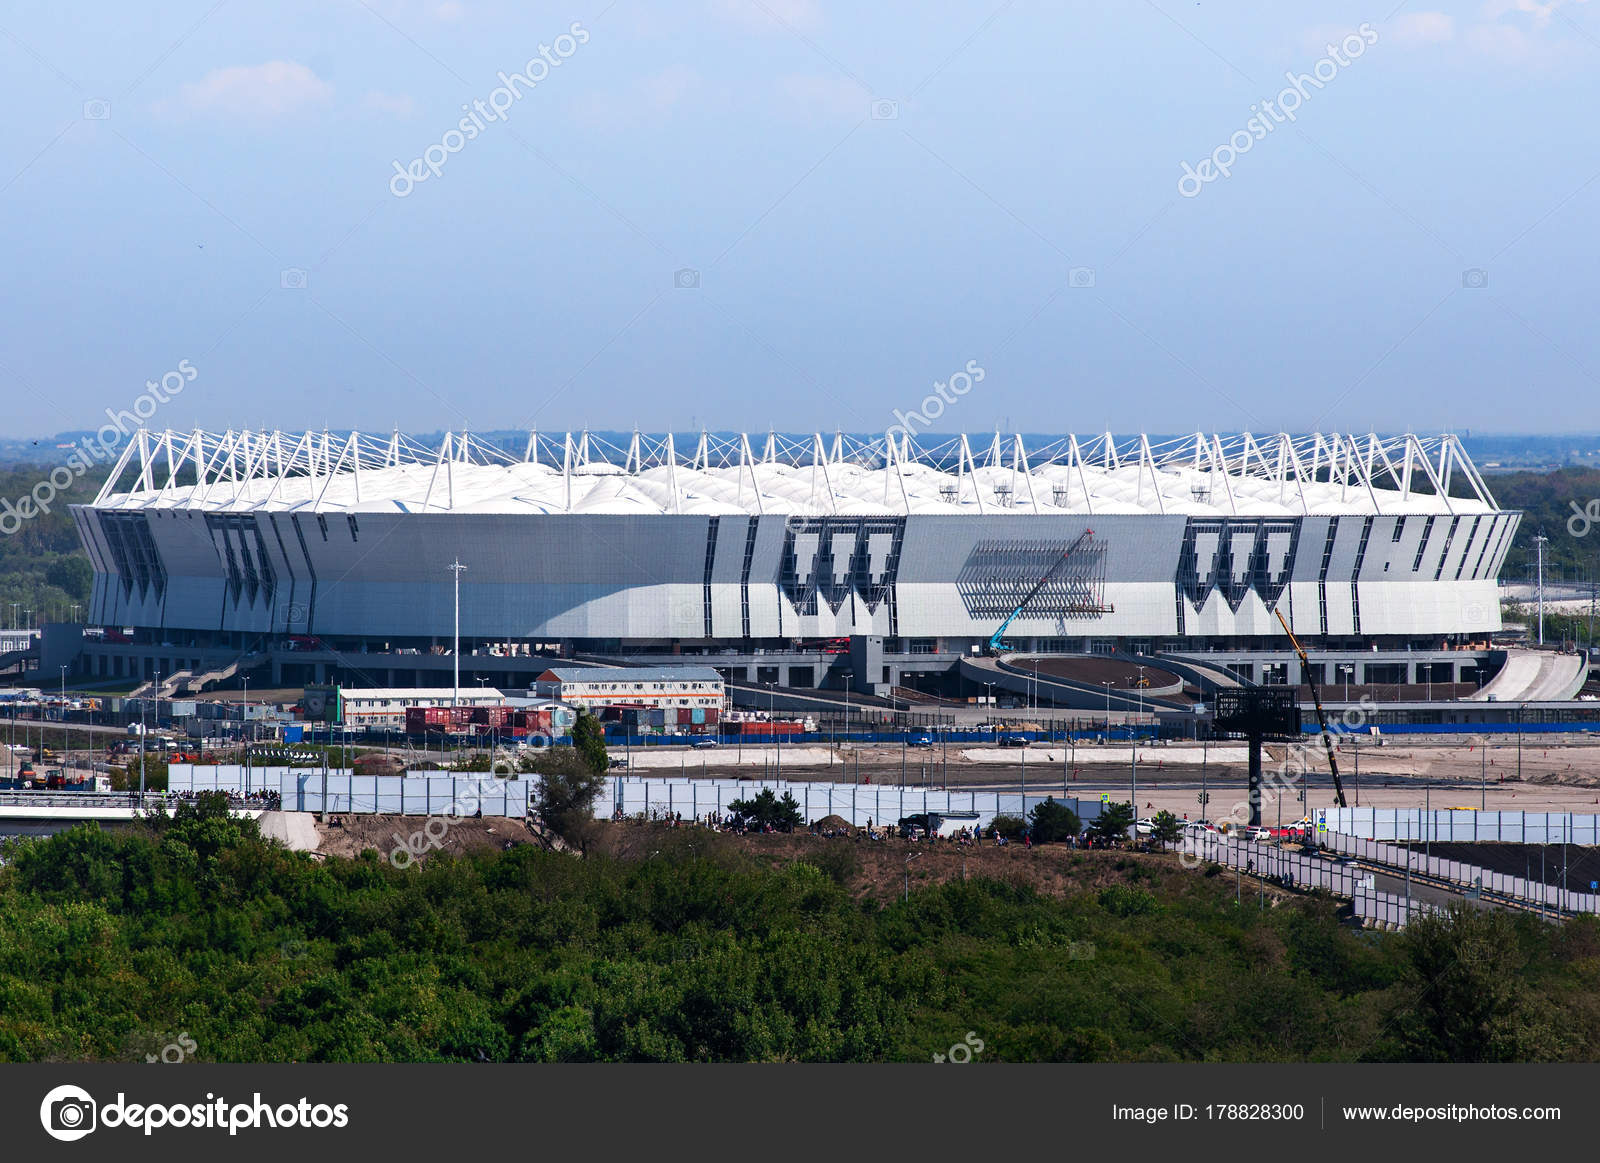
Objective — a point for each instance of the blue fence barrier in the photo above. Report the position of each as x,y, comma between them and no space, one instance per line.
812,738
1529,728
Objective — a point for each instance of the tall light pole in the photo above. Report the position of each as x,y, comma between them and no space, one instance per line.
1107,684
144,735
1539,544
64,741
456,567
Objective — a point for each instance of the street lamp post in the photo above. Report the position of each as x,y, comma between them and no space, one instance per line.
1521,711
456,567
65,743
1107,684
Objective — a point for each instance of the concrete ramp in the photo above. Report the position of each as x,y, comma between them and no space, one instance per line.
297,831
1536,676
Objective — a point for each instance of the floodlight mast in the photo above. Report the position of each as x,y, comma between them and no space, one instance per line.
1316,701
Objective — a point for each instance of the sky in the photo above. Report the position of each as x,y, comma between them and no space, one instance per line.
801,214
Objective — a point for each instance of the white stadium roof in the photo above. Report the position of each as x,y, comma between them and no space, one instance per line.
1199,475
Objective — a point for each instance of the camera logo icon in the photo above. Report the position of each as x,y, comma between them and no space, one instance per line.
96,109
293,279
686,278
884,109
1474,278
68,1113
1080,277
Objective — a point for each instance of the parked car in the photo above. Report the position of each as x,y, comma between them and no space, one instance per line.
705,744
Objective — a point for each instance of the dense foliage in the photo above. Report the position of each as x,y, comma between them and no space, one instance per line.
766,810
1052,821
1546,500
112,944
43,567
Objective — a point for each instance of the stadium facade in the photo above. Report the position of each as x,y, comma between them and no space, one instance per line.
652,545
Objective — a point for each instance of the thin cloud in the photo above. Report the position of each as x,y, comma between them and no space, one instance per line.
394,104
813,95
263,92
767,16
1421,28
648,101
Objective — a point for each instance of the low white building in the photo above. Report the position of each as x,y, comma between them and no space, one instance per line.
382,707
650,686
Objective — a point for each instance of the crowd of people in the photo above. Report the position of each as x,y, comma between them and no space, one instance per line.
966,836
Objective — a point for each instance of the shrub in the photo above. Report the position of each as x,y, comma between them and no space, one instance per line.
1011,827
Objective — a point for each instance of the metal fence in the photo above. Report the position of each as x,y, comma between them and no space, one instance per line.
433,793
412,794
1461,824
1388,909
1291,868
1551,897
856,803
1296,870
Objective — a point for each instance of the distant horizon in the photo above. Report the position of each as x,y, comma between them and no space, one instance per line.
70,436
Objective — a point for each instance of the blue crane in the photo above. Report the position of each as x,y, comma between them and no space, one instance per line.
997,640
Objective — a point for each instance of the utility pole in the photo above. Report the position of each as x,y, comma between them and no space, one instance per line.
456,567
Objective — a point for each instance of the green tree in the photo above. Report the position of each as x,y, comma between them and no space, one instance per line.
1052,821
1113,823
568,790
126,778
1468,987
589,741
73,575
1166,828
1010,826
765,808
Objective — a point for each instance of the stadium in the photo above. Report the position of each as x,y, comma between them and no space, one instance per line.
764,548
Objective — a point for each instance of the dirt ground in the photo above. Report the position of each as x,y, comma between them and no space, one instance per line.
349,835
880,866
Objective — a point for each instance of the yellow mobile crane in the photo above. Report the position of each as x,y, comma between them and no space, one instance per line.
1316,701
